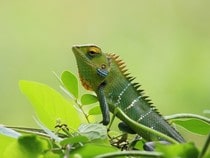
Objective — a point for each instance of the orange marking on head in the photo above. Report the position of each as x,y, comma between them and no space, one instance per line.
85,83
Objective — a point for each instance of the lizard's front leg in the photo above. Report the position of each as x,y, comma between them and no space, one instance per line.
103,104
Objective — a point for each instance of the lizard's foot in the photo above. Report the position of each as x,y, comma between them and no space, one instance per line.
125,128
150,146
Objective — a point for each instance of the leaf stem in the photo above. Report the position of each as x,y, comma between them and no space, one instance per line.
131,153
205,147
187,115
76,102
80,107
26,130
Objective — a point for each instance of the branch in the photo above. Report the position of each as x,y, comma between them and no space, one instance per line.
131,153
187,115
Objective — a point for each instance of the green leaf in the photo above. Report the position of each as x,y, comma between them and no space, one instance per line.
194,125
187,150
50,105
70,82
94,111
90,150
27,146
88,99
32,143
75,139
5,143
93,131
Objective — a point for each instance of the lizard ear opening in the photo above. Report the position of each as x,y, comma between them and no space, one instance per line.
103,66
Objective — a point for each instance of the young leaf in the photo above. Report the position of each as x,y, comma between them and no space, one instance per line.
93,131
70,82
50,105
88,99
194,125
94,111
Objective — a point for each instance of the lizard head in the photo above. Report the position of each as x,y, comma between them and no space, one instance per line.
93,65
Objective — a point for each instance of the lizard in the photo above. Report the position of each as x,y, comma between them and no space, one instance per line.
108,77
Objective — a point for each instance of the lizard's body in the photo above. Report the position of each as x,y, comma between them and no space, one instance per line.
106,75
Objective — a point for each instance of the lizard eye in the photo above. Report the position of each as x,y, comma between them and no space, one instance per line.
91,53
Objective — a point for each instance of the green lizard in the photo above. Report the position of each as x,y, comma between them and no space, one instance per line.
107,76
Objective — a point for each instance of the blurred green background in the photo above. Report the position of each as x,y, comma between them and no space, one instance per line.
166,45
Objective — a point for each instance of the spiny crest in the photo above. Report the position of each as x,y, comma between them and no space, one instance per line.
120,63
136,86
122,67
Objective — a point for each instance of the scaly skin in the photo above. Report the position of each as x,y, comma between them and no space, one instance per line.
106,75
